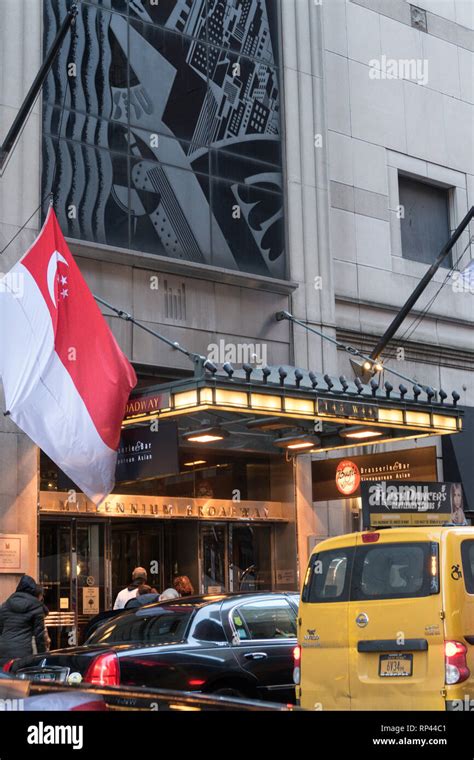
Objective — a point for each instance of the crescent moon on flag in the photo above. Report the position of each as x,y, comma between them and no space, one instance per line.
56,257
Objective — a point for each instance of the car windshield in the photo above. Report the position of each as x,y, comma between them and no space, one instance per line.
150,625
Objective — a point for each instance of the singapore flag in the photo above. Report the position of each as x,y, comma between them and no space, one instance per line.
65,379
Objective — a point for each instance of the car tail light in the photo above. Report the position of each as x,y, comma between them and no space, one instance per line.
455,653
7,667
104,670
297,665
370,538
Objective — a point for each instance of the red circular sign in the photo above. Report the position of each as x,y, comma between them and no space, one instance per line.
347,477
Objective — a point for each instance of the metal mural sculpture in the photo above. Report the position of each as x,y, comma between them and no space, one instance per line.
170,138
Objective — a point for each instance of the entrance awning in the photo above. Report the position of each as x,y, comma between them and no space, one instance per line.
298,409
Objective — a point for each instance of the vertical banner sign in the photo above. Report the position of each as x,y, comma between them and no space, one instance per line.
390,504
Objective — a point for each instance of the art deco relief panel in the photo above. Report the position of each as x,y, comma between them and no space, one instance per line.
170,139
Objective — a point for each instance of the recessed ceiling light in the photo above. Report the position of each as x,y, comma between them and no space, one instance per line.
206,435
197,461
359,432
297,442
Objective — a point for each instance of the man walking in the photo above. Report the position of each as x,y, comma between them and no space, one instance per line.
139,577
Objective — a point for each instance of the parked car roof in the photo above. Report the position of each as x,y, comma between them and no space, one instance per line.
202,600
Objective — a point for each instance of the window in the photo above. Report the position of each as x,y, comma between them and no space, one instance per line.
164,625
265,620
392,571
467,552
209,629
425,222
328,576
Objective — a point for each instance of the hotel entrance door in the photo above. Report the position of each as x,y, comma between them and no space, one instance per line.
136,544
72,573
235,557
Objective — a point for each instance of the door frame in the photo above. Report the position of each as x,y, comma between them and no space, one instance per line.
72,524
230,541
225,526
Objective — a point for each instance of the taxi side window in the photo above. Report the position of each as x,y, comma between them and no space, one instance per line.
391,571
467,553
328,576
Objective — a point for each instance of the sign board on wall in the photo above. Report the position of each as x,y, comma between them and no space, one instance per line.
90,600
342,478
144,405
394,504
13,552
148,453
117,505
144,452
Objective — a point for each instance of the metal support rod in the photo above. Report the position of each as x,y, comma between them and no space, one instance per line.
410,302
25,108
280,315
200,362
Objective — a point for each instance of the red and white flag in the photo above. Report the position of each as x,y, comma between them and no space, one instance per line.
65,379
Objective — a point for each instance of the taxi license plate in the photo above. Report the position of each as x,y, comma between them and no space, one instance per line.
396,665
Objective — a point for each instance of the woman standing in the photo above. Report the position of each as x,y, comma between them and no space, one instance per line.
21,621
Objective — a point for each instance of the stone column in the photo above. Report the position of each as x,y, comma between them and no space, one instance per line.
20,58
310,264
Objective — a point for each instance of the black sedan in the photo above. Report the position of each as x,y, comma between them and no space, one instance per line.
236,645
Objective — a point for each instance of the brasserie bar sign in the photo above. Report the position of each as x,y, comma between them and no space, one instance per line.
342,478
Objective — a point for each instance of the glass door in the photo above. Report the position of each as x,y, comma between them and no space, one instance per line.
124,558
214,558
250,552
55,577
72,571
137,544
89,561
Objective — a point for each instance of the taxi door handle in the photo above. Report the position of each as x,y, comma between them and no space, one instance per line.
256,655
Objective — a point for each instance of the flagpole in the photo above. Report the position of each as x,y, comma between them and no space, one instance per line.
14,132
200,362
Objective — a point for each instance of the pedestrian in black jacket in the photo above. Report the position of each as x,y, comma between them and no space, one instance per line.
21,619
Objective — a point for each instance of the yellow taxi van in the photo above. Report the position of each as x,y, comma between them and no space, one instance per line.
386,621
